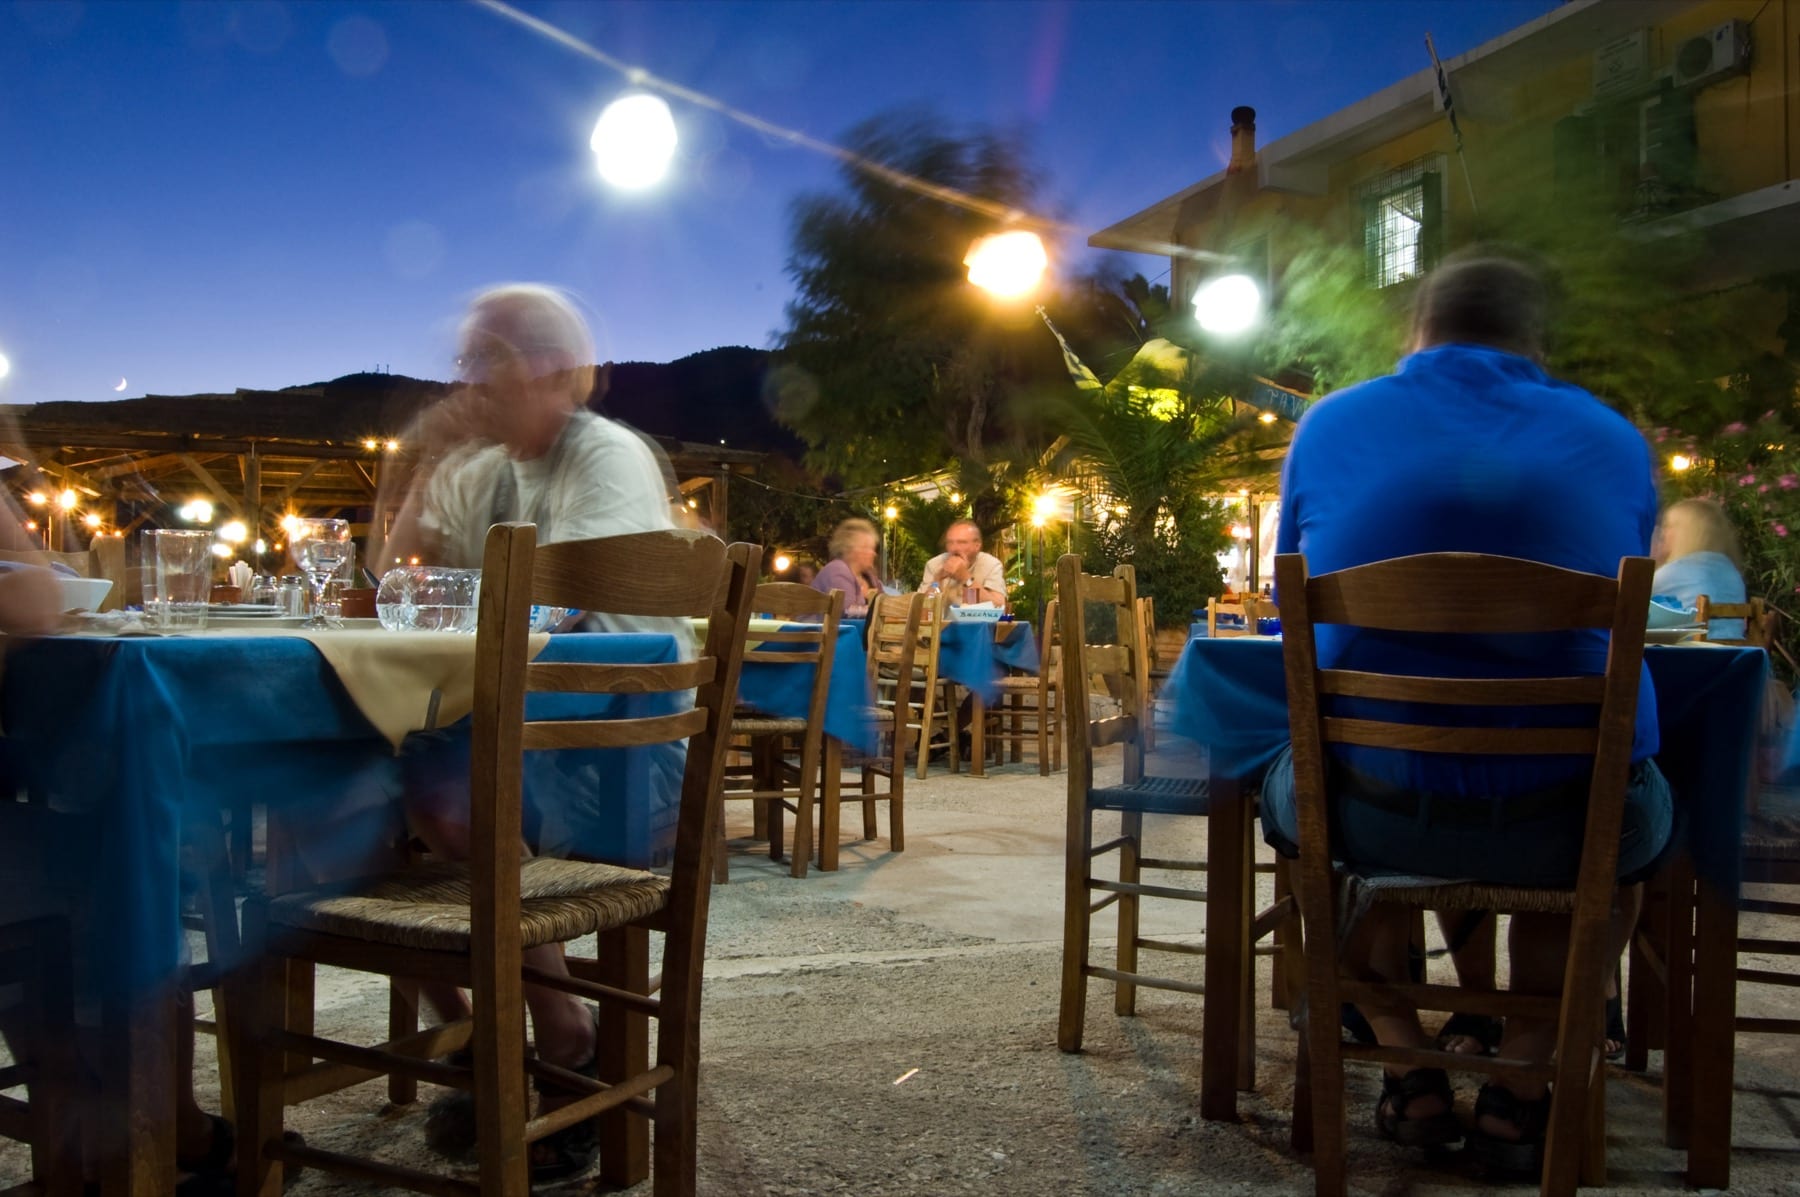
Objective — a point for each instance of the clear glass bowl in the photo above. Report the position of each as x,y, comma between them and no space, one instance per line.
429,598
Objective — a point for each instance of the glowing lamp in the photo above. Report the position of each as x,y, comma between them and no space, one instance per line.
1039,519
393,446
782,561
1227,305
234,532
67,500
891,511
91,519
956,496
1240,531
1267,417
1008,265
288,522
371,444
634,141
1042,506
221,550
196,511
261,545
37,498
1681,462
31,525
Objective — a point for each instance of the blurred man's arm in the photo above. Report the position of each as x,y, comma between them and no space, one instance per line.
30,601
990,581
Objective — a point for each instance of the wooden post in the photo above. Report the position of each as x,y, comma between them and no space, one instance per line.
721,506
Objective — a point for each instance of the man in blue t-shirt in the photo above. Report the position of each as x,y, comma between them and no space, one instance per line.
1470,447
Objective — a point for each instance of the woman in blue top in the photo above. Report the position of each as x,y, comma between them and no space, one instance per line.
1696,551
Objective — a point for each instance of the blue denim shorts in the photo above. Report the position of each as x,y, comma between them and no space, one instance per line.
1544,850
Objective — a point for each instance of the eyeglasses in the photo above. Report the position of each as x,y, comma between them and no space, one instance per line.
494,355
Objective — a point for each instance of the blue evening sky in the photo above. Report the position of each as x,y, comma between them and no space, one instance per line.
204,195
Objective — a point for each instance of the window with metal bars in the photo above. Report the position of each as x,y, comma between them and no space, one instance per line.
1402,221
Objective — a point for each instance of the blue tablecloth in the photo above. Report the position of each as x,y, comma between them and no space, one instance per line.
786,690
1230,695
974,655
131,729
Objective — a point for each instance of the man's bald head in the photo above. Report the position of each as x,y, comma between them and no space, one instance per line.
1483,298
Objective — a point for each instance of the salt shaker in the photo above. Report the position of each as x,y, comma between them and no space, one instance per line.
291,594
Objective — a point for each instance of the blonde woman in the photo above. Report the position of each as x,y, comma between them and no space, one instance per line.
1696,552
852,566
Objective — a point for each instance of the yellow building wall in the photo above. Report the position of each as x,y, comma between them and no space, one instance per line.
1747,128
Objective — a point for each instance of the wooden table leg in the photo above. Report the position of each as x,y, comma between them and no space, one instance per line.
1714,1032
977,735
137,1130
1678,1011
1226,949
623,1050
830,796
1246,1049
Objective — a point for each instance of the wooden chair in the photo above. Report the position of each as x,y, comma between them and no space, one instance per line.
893,624
1245,609
1030,707
1120,665
773,782
1463,593
468,924
1759,620
105,558
35,954
931,698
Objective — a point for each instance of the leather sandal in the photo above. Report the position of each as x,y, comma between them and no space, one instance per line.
1523,1156
571,1150
1399,1092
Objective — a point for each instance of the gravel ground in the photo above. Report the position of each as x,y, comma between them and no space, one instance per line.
890,1029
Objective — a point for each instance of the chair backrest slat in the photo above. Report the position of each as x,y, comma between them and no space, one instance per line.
613,733
1521,691
574,678
1430,737
1759,620
1455,592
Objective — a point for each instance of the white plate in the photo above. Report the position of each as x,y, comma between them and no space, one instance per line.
1669,635
1670,617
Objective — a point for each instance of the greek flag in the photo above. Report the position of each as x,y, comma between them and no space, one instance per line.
1443,82
1084,377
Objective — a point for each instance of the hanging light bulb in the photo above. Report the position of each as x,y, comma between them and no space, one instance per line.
634,141
1008,265
1228,305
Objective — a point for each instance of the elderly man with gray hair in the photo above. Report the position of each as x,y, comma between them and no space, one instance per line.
517,442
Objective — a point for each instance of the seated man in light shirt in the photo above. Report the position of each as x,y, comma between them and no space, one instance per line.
518,443
963,571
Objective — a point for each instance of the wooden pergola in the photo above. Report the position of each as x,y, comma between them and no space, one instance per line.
256,456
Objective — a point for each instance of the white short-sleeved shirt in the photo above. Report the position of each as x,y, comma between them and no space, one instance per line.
601,479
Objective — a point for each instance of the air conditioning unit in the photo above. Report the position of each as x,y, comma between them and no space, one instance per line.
1719,53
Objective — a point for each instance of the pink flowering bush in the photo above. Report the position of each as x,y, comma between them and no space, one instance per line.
1753,469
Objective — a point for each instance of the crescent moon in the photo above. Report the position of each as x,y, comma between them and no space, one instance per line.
121,385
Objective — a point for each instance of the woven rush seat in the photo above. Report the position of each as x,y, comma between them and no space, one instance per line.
427,907
1154,795
765,725
1439,893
